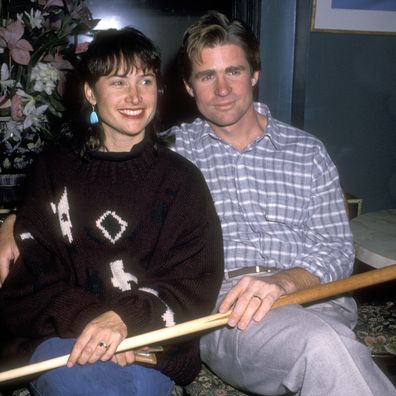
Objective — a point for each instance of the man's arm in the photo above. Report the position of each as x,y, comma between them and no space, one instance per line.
252,297
8,249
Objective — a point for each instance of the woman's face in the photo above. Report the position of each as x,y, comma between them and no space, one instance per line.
125,104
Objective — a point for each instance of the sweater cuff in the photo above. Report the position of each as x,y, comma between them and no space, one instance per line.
85,316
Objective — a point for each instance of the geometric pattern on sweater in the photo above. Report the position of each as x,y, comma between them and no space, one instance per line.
26,235
120,278
169,316
63,211
111,225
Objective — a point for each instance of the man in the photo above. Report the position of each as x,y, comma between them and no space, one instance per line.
284,228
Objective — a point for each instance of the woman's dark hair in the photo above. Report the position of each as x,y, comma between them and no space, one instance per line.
112,51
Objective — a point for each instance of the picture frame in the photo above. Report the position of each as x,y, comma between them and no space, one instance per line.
354,16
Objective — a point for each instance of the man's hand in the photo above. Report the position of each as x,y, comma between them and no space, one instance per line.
252,297
99,340
8,249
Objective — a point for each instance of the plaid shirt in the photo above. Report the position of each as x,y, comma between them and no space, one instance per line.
279,200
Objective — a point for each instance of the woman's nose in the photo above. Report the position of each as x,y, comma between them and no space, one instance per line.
133,95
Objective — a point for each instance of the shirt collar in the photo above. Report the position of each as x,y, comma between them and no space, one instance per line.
272,130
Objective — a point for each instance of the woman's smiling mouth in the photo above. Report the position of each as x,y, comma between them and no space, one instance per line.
137,113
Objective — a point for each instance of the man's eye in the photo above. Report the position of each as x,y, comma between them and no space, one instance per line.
235,72
207,77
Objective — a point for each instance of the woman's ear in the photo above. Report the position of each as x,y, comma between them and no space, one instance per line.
89,94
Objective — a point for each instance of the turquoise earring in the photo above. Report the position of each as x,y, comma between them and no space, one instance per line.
93,117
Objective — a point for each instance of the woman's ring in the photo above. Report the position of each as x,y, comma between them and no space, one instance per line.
103,345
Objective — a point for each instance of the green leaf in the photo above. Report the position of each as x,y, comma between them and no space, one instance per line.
390,348
56,104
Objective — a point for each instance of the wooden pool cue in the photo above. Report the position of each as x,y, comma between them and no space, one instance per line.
316,293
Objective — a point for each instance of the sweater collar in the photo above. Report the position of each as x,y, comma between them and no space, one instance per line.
141,157
136,151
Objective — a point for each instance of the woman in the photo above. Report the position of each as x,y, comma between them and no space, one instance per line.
117,238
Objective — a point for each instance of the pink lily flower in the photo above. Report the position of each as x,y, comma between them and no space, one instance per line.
16,108
10,37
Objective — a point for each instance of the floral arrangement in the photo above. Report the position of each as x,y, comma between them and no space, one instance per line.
38,46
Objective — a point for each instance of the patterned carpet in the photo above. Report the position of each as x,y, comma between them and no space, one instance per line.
376,328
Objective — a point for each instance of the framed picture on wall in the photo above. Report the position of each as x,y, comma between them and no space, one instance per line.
354,16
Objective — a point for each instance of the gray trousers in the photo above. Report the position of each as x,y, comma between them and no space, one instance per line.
309,351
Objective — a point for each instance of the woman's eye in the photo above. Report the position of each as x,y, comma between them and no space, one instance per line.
117,83
147,81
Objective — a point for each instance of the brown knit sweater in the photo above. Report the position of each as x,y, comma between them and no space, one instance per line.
135,233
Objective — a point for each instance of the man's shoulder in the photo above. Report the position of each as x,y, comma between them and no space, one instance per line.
186,129
285,134
290,135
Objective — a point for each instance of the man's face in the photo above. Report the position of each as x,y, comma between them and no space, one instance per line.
222,85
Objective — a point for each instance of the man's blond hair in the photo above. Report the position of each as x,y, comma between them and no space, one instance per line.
214,29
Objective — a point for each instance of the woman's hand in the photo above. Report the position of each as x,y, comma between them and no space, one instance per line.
8,249
99,341
124,358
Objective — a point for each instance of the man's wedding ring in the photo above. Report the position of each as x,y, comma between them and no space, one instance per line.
261,300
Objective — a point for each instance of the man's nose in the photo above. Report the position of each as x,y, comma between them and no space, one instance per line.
222,87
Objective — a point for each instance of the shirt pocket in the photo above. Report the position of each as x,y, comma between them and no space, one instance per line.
288,207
